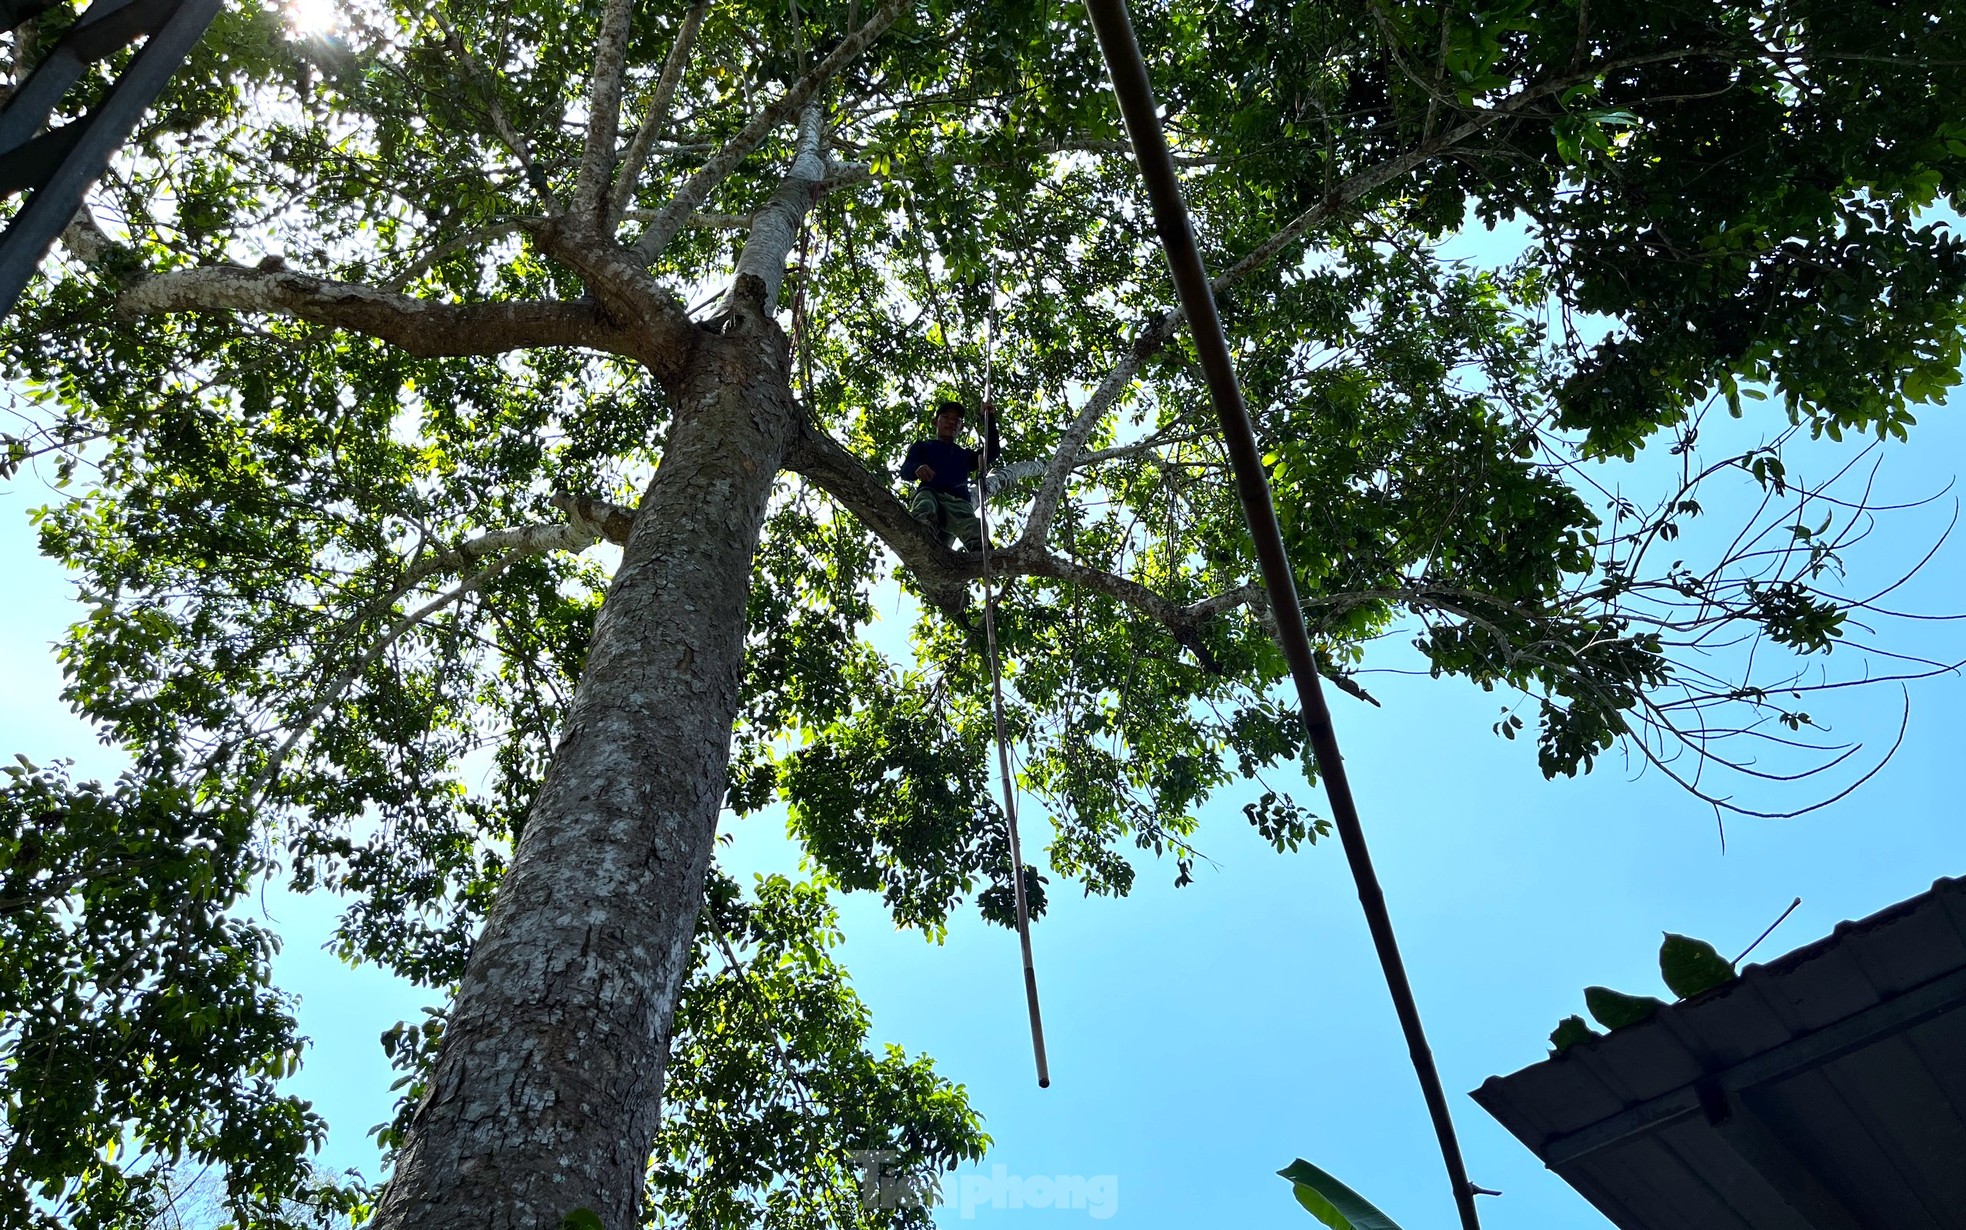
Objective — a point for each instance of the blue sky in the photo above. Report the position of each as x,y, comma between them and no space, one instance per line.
1202,1038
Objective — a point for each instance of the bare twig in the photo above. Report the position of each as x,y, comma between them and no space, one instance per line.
1765,934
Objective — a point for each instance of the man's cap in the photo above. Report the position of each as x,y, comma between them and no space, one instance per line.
946,404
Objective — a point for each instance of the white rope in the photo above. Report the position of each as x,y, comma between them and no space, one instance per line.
996,699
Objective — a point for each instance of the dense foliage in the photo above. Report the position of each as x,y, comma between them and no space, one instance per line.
334,612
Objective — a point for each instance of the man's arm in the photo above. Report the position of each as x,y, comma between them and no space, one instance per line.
912,465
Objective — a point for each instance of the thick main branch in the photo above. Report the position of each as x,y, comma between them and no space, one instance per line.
603,106
422,327
656,116
944,576
775,227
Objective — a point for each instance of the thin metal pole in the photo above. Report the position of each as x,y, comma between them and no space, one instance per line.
1136,98
996,708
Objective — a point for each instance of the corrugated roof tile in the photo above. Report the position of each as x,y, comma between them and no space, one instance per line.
1825,1090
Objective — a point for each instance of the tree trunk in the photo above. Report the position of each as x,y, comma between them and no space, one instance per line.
546,1093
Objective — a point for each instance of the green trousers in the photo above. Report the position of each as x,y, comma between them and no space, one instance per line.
953,516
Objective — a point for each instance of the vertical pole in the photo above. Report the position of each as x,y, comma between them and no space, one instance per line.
1003,743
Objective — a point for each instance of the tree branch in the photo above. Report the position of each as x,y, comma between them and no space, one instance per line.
1249,594
699,186
85,237
944,575
422,327
775,228
1006,476
457,243
700,220
501,125
1088,145
845,174
603,107
625,292
1183,623
1044,507
656,117
601,518
588,521
343,681
577,533
941,573
1156,333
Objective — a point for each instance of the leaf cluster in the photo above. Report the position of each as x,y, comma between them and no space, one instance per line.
143,1033
1689,968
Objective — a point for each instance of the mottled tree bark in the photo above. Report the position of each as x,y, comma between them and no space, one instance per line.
546,1094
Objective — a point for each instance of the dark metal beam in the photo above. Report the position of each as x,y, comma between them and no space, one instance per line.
27,111
14,13
36,160
178,24
1136,98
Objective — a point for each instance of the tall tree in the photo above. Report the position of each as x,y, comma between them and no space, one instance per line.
372,337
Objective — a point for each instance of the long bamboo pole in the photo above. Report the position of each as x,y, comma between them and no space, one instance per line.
1136,98
996,703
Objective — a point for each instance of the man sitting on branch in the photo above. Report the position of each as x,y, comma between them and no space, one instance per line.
942,500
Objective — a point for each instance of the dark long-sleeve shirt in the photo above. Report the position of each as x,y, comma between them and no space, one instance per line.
952,463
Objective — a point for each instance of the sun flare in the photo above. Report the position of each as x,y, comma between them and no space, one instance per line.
310,17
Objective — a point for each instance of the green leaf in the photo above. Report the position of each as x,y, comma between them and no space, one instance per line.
1615,1009
1691,966
1612,117
582,1218
1331,1202
1569,1032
